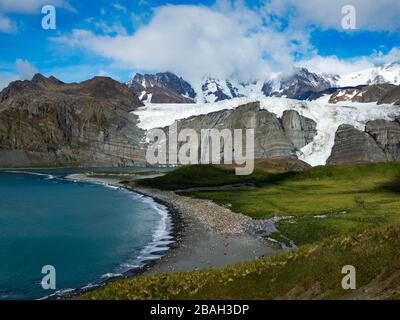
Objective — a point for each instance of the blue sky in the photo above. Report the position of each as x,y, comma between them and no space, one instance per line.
223,38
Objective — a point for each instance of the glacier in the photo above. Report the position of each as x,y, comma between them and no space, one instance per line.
327,116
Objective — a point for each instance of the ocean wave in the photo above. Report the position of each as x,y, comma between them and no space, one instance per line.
161,239
111,275
48,176
94,183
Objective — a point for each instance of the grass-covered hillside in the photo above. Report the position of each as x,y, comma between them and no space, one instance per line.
310,272
316,203
336,215
201,176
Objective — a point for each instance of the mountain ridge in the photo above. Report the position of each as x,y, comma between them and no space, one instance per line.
48,122
300,84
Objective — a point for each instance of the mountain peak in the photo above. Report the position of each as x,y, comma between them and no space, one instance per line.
103,89
163,87
38,78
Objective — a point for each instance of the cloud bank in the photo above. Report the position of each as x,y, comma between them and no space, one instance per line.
227,40
372,15
24,70
24,7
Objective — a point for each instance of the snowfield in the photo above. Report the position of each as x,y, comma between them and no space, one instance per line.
388,73
327,116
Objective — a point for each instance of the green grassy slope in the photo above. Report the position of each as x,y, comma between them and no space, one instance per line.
311,272
338,216
201,176
352,197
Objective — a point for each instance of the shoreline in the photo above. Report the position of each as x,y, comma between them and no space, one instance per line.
174,231
205,235
212,237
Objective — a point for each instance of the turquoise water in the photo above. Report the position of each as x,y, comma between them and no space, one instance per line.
87,232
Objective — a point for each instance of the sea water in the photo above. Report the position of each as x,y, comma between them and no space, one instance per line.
88,232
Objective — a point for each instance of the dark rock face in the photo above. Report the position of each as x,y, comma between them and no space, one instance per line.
354,146
373,93
362,94
387,135
162,88
45,121
300,130
272,138
267,88
215,90
300,84
391,97
176,84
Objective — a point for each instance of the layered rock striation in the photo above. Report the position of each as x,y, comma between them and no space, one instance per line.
47,122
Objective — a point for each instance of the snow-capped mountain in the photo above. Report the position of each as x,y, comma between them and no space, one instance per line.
214,90
379,74
163,87
299,84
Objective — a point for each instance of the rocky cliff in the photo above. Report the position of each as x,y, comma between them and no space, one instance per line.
274,137
163,87
387,136
45,121
379,143
384,93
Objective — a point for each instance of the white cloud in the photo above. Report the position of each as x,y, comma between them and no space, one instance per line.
30,6
6,78
25,70
392,56
372,15
193,41
112,28
119,7
229,40
25,7
6,25
335,65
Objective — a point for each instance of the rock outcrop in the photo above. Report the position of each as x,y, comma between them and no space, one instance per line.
355,146
45,121
362,94
391,97
163,87
380,142
384,93
274,137
387,135
300,130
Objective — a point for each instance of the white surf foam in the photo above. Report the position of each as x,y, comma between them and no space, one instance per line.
48,176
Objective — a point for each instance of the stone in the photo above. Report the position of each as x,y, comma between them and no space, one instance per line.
387,135
300,130
355,146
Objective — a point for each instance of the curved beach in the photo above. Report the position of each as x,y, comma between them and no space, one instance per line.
206,234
